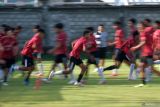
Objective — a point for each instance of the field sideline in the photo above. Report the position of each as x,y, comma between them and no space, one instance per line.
118,92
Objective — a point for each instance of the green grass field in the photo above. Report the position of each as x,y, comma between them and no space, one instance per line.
118,92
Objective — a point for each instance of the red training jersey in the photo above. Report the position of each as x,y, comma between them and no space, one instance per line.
129,43
28,49
62,39
91,44
8,43
156,40
146,49
119,37
78,47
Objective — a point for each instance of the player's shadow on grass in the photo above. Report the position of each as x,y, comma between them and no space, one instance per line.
17,92
121,81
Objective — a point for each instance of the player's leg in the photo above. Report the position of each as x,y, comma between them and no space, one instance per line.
142,66
116,54
40,64
80,76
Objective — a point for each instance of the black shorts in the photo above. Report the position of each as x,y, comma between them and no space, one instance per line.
8,63
27,61
147,60
89,61
116,52
102,53
73,61
121,56
61,58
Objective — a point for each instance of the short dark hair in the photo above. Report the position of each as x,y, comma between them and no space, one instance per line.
148,20
18,27
91,29
9,29
101,25
41,30
59,26
36,27
135,33
118,23
133,20
157,22
86,32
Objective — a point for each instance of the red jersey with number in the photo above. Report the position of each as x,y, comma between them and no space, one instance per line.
91,44
146,49
8,43
78,47
156,40
119,37
28,49
62,39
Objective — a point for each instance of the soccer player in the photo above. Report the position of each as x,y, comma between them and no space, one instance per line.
60,49
9,44
38,51
78,46
101,37
118,41
132,28
92,48
145,44
28,54
124,54
156,43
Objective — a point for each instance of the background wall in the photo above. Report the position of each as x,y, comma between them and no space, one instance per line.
75,18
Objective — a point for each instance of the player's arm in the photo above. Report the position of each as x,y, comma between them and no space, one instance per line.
138,46
58,45
85,50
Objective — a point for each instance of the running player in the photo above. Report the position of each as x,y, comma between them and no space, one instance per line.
60,49
132,28
9,44
145,44
28,55
101,37
92,48
79,46
124,54
38,51
118,42
156,43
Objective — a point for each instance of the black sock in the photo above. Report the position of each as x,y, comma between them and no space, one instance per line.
80,77
144,81
111,67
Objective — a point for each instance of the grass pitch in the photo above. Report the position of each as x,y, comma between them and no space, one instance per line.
118,92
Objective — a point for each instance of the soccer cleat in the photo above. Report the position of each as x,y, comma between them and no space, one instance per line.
78,84
5,84
140,85
102,82
45,80
51,75
71,82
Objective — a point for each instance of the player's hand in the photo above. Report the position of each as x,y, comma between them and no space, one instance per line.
132,49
